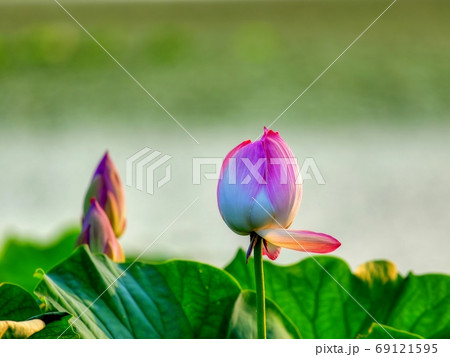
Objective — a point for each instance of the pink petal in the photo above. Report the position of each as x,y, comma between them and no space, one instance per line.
272,251
114,250
231,154
304,241
281,172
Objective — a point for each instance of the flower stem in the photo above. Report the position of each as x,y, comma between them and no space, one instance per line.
260,292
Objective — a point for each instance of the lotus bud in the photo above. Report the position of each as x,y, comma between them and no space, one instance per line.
98,234
106,188
259,191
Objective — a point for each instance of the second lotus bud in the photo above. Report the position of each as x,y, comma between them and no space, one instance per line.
98,234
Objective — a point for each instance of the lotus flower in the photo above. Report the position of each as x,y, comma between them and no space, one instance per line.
106,188
259,192
98,234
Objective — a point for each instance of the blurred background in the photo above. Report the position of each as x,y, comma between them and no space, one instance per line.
377,123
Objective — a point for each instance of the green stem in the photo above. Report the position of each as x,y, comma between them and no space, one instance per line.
260,292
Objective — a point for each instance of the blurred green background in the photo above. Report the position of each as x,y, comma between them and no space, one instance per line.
376,124
211,62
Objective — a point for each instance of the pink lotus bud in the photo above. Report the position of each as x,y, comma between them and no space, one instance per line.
260,191
98,234
106,188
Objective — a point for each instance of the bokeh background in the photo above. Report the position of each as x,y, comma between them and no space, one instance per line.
377,123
